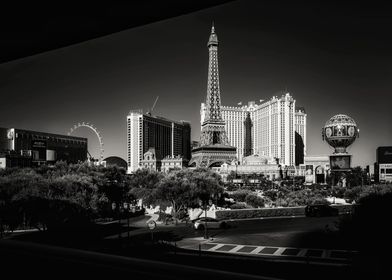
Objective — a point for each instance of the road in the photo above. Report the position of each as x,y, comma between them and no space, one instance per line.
299,232
22,259
43,260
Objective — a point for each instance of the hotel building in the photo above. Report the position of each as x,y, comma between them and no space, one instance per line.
144,131
271,126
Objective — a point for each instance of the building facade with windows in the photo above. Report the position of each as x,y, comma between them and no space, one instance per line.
300,135
383,165
144,131
267,129
152,160
173,163
23,148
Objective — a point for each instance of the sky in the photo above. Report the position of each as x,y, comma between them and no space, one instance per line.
332,58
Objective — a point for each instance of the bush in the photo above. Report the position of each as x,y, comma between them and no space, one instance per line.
231,187
238,206
259,212
254,201
240,195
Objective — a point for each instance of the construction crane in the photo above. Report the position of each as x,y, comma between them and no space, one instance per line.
153,106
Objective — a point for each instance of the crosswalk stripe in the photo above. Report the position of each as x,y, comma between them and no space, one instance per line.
235,249
279,251
257,250
326,254
216,247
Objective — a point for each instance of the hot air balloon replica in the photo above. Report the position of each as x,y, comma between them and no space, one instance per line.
340,132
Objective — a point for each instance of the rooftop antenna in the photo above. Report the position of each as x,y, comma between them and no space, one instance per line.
153,106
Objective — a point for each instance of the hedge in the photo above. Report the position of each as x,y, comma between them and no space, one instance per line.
270,212
259,212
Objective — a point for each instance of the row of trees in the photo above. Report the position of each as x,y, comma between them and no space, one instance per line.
356,177
280,197
53,197
182,189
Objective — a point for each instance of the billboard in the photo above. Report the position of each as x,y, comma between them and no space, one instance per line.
384,155
309,177
341,162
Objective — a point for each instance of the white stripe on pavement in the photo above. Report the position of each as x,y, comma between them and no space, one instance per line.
302,252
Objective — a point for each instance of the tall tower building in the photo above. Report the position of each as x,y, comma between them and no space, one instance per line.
144,131
270,128
300,135
248,150
214,146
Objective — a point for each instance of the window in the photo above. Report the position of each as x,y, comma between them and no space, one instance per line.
389,170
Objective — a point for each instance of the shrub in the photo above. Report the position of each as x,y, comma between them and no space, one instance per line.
259,212
254,200
240,195
231,187
238,206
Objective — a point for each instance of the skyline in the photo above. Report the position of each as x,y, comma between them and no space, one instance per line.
258,59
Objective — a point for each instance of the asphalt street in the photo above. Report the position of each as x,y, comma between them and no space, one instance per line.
301,232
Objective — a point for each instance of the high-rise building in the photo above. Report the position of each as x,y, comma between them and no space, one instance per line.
269,128
144,131
300,135
214,149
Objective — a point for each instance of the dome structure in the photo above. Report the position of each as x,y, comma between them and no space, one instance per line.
255,160
339,132
113,160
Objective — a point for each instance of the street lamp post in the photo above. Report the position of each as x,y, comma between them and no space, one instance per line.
203,204
114,208
127,210
205,222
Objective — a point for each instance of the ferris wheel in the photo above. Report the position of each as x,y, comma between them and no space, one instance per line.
97,133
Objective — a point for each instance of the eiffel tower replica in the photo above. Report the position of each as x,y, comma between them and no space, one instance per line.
214,148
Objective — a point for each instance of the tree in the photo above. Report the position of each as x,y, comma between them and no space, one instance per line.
232,175
175,189
205,185
143,184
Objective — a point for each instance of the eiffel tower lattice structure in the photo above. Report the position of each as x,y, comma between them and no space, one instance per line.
214,148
